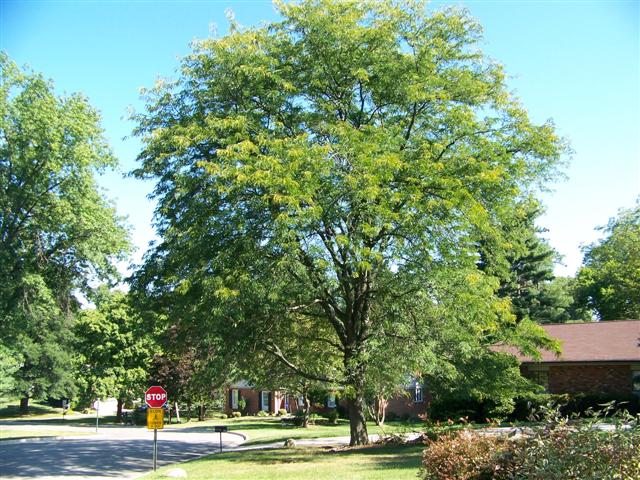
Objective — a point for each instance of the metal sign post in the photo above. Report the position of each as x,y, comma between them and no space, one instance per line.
155,422
96,405
155,449
220,429
155,398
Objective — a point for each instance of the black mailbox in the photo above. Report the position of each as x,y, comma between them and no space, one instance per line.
221,428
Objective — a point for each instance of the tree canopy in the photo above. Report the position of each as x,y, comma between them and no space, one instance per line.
57,232
609,280
114,350
327,179
526,271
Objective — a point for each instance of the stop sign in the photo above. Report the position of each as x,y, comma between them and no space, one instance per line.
155,397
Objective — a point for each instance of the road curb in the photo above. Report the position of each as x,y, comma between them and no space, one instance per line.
42,439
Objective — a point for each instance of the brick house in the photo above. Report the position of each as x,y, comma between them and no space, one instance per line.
269,401
413,403
597,357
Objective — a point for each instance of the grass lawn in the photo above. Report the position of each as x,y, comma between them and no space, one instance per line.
371,463
6,434
261,430
36,410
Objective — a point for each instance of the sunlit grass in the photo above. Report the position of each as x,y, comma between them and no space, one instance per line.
267,430
372,463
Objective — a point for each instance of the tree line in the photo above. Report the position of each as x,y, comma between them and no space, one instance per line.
345,198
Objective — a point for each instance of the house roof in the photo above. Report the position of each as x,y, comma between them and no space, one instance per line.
607,341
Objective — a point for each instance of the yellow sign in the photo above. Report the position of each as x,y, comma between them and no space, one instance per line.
155,418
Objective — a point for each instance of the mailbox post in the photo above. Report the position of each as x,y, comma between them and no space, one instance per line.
220,429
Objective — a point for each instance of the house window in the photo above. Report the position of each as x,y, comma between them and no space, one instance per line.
234,399
635,381
331,401
541,377
301,401
286,402
417,394
264,401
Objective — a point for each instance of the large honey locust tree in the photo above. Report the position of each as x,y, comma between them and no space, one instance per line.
57,232
328,179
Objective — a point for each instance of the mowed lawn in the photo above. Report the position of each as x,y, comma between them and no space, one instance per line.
260,430
320,463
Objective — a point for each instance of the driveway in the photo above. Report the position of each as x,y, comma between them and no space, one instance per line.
113,453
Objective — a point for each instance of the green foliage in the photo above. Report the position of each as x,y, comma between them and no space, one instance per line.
57,232
586,403
336,171
555,452
465,455
114,348
526,271
9,364
332,416
609,280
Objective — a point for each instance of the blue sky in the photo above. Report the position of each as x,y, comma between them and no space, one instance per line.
577,62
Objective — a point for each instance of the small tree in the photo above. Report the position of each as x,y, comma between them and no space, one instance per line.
114,350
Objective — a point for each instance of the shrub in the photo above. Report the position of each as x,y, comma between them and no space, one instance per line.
139,416
332,416
455,408
560,450
262,413
236,414
530,406
583,453
391,416
527,407
282,412
465,455
584,403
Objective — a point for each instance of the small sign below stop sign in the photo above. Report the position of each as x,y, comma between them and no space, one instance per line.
155,397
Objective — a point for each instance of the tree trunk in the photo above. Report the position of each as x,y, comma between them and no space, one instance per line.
201,412
24,405
306,411
357,420
177,412
119,410
381,410
189,410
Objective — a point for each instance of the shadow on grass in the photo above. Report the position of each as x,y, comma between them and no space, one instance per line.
84,421
11,411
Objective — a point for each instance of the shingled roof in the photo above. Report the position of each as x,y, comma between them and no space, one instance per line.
607,341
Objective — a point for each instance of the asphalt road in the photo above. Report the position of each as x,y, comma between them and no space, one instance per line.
117,453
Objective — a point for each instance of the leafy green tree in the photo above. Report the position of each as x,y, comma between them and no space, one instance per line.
115,350
57,232
560,302
339,166
609,279
526,271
